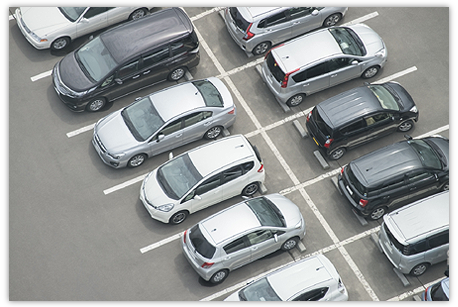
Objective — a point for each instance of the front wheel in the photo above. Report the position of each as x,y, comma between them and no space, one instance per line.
136,160
419,269
60,43
370,72
250,189
137,14
332,20
295,100
96,104
261,48
176,74
405,126
213,133
219,276
290,244
178,217
377,213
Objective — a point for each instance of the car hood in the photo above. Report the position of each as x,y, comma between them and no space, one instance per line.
114,133
153,191
43,20
372,41
289,210
72,75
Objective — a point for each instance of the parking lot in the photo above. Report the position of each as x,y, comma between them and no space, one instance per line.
78,231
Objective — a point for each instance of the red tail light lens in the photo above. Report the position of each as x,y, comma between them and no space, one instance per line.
261,169
231,111
342,170
284,83
308,116
207,265
248,34
184,235
363,202
328,143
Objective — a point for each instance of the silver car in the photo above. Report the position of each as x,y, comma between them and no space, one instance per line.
242,234
163,121
256,29
322,59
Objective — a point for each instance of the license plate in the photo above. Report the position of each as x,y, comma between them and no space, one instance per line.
316,142
349,190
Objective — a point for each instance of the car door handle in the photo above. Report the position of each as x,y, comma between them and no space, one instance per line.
414,188
146,72
227,258
307,84
208,124
254,248
296,23
135,77
332,76
179,135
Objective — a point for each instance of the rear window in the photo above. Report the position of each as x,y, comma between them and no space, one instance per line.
437,293
239,20
355,182
211,95
321,124
393,240
267,213
276,71
201,244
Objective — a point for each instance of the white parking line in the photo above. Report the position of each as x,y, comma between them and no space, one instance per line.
41,76
81,130
414,291
397,75
361,19
160,243
125,184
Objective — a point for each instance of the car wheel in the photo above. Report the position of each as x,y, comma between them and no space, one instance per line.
405,126
332,20
96,104
295,100
445,187
213,133
261,48
136,160
219,276
60,43
370,72
337,153
250,189
419,269
377,213
178,217
289,244
176,74
139,13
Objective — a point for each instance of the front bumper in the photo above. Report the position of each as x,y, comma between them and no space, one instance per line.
154,213
107,159
26,32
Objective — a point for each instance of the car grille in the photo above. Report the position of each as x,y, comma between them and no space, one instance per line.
99,143
25,27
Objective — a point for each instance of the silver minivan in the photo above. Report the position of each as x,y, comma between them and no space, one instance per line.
256,29
416,236
322,59
242,234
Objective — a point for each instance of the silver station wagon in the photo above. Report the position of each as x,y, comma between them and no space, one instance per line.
242,234
163,121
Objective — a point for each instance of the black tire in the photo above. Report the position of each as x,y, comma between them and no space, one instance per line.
405,126
377,213
370,72
261,48
419,269
219,276
337,153
332,20
176,74
295,100
60,43
178,217
96,104
445,187
137,14
289,244
250,189
136,160
213,133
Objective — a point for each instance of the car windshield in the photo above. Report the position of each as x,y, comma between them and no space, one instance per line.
201,244
385,97
427,155
210,93
142,119
95,59
259,291
267,213
72,13
178,176
348,41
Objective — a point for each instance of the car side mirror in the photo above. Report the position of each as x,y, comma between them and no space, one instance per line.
315,12
354,62
84,20
160,137
275,237
197,197
119,81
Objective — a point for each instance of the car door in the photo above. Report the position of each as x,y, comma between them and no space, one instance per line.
342,69
395,191
238,253
155,66
438,247
117,14
302,20
353,134
313,79
232,181
421,183
379,124
275,28
262,243
170,136
123,81
206,194
195,125
95,18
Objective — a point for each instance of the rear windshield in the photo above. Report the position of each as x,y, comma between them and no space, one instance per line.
278,74
349,42
267,213
239,20
201,244
355,182
210,93
321,124
437,293
393,240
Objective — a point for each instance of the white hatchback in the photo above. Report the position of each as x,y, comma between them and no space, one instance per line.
202,177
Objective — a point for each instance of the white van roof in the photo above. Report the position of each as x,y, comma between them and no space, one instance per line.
211,157
419,218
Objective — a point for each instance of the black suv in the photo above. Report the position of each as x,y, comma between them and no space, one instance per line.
127,58
396,175
360,115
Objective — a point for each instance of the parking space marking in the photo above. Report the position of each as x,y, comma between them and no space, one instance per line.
397,75
125,184
361,19
81,130
160,243
215,9
41,76
414,291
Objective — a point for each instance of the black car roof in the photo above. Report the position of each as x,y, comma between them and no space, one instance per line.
345,107
134,37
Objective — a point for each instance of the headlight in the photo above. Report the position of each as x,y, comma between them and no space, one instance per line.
298,225
414,109
116,156
166,208
37,38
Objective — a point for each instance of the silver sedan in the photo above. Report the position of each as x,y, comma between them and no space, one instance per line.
163,121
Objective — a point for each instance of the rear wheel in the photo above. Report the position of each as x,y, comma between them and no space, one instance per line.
213,133
290,244
377,213
337,153
250,189
137,14
261,48
176,74
295,100
219,276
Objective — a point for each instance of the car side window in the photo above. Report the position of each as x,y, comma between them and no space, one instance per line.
208,185
417,177
235,245
171,128
94,11
128,69
439,239
377,118
313,295
298,12
247,166
259,236
156,56
416,248
274,20
194,118
232,173
338,63
353,127
107,81
312,72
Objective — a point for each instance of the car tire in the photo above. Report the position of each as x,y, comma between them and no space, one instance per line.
419,269
213,133
370,72
250,189
219,277
289,244
337,153
96,104
377,213
332,20
136,160
445,187
405,126
295,100
60,43
176,74
178,217
261,48
137,14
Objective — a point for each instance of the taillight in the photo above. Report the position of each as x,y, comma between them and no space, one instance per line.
328,143
231,111
248,34
261,169
363,202
308,116
284,83
342,170
207,265
184,236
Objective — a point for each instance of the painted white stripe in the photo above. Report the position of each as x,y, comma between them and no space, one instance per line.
215,9
81,130
124,184
361,19
437,131
414,291
11,17
160,243
41,76
397,75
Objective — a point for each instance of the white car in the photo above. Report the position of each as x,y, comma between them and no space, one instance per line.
56,27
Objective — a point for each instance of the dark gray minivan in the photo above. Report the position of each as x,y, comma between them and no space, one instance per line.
127,58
